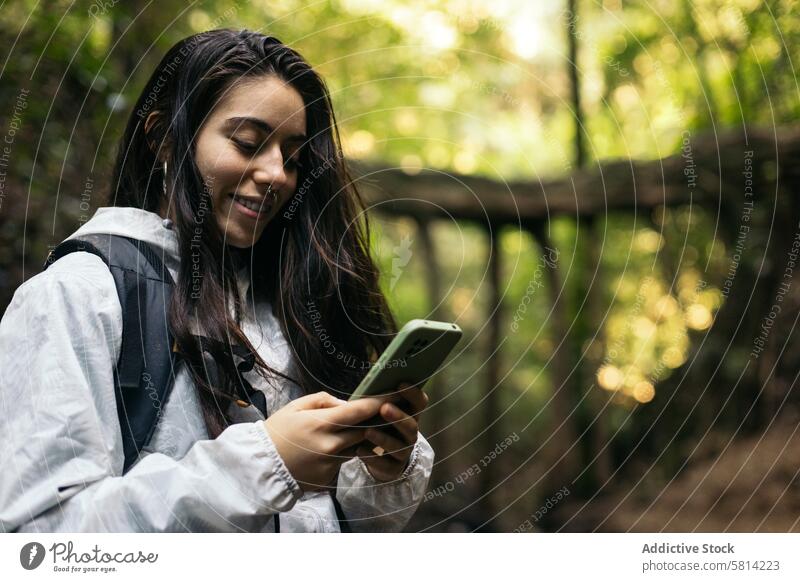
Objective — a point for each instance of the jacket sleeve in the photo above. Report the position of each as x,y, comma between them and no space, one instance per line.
374,506
61,469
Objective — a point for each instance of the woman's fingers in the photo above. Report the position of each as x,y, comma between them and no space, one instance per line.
392,446
416,398
343,443
351,413
405,424
315,401
347,438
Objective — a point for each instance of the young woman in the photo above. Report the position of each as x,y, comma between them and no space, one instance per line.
231,168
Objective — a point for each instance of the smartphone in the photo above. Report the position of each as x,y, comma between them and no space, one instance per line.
413,356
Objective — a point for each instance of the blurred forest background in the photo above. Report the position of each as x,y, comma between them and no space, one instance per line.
601,193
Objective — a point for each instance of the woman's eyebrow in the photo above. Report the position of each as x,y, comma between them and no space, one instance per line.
263,125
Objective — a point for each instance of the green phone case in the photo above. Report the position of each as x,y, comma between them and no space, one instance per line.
413,356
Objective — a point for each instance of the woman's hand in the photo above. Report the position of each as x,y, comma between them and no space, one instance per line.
386,455
315,434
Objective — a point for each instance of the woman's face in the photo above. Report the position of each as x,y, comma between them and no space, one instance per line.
251,141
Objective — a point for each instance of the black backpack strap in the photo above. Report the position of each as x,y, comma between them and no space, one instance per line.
144,374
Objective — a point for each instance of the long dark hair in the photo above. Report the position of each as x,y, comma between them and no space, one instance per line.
312,263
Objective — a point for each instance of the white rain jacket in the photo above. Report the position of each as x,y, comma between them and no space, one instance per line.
61,460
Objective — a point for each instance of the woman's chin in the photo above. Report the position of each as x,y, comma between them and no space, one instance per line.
240,242
240,236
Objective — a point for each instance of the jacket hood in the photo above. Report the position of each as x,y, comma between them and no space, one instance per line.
148,227
139,224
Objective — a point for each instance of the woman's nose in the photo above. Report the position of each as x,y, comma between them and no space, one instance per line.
270,168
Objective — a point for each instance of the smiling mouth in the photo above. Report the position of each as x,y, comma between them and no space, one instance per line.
251,208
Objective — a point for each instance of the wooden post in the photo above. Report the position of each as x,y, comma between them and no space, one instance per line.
586,330
599,446
490,408
434,416
563,465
